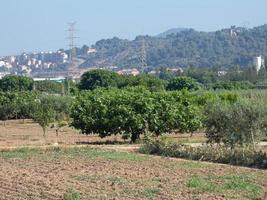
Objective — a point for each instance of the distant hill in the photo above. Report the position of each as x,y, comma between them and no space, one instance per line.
172,31
235,46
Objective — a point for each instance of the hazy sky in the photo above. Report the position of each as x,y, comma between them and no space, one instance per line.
33,25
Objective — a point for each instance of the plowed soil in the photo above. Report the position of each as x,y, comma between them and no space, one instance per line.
98,174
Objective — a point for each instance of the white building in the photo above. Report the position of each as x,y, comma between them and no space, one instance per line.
258,62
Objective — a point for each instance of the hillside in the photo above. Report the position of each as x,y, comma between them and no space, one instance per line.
235,46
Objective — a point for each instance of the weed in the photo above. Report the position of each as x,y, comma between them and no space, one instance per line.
150,192
71,195
229,185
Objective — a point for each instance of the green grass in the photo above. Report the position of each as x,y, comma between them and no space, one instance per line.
71,195
71,153
21,153
150,192
227,185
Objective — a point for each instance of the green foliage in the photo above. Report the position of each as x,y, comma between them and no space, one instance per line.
49,87
71,195
241,123
152,83
61,104
134,111
16,83
233,85
228,97
107,79
225,184
43,114
16,105
99,78
183,83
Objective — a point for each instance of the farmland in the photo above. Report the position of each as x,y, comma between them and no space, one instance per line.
105,141
106,174
94,173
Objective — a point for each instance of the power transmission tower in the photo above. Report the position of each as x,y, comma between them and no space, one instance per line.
72,46
143,56
72,55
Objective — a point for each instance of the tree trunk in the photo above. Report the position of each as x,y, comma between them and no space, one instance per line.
57,132
253,140
134,137
44,130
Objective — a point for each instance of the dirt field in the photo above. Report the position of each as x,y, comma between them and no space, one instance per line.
18,134
101,174
95,173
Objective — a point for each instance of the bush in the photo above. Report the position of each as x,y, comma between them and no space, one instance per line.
71,195
241,123
218,154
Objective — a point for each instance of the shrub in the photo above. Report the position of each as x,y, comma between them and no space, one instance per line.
218,154
241,123
71,195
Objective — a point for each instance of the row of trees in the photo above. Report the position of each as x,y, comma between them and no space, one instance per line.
192,79
107,79
42,109
21,83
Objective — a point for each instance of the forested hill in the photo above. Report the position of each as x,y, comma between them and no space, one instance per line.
235,46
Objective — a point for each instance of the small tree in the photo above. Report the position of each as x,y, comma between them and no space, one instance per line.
5,111
99,78
241,123
43,115
59,122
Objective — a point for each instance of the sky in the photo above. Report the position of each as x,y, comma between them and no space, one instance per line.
40,25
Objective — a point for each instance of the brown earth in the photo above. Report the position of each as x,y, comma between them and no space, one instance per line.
18,134
102,174
112,175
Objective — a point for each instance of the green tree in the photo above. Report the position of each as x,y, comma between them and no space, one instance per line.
16,83
134,111
152,83
43,114
183,83
99,78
